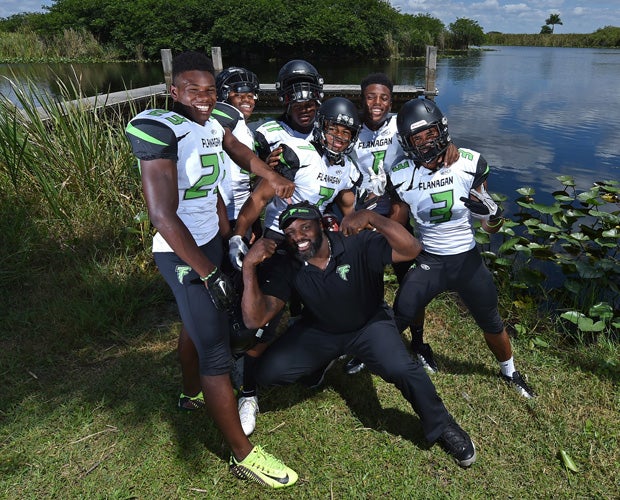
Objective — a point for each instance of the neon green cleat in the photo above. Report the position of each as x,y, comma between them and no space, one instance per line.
191,403
263,468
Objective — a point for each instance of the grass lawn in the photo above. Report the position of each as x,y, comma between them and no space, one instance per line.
89,376
95,417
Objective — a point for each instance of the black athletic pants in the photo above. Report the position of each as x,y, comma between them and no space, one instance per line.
303,350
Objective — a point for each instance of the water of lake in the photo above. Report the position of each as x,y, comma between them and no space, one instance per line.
534,113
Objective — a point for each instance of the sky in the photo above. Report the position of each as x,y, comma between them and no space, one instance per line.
512,16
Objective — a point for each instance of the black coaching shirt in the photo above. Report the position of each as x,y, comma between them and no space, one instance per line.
344,297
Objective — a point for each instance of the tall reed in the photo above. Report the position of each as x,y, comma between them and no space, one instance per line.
70,44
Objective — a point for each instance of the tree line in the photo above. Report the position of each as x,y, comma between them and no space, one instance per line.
252,30
258,29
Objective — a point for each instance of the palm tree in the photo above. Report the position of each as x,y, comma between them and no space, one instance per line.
552,20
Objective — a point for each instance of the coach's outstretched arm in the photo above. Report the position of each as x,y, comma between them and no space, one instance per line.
404,246
258,309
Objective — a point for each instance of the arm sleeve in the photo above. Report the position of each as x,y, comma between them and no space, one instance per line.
226,115
289,163
261,146
152,140
482,172
378,249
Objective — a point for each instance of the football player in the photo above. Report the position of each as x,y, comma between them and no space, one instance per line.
179,153
443,199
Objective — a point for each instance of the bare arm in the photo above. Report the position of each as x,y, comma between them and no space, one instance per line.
257,308
224,223
159,184
245,158
346,201
404,246
400,212
253,206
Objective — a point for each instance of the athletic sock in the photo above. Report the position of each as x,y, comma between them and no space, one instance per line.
249,379
507,367
417,336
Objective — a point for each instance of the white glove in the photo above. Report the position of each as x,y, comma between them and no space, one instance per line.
377,181
483,208
236,251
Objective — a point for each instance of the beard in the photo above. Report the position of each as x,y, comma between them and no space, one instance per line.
306,255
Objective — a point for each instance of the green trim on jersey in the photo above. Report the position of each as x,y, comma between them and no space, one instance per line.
221,113
145,137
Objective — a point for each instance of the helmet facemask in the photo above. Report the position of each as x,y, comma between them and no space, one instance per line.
320,135
301,92
428,150
237,80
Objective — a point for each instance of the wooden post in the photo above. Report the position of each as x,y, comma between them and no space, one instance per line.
166,62
216,56
431,71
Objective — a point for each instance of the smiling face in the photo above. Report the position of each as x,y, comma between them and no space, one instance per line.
304,237
244,102
195,91
338,137
376,102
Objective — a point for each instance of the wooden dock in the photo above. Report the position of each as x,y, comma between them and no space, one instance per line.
158,95
267,102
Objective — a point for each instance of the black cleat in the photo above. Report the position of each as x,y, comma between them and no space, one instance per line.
354,365
518,383
456,442
425,356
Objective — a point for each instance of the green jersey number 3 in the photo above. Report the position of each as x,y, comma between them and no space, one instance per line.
442,213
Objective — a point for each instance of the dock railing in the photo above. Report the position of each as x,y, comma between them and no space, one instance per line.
268,98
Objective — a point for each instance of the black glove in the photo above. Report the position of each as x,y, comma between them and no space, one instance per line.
221,289
483,207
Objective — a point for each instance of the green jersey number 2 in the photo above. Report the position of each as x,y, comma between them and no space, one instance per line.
202,187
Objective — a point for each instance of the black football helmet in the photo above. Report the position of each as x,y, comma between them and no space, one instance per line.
299,81
339,111
414,117
242,338
235,79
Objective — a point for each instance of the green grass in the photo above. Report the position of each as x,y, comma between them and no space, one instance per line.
95,417
89,374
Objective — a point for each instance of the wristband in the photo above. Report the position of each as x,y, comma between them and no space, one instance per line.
206,278
500,220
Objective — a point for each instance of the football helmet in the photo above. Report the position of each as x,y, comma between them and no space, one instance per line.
299,81
338,111
235,79
242,338
414,117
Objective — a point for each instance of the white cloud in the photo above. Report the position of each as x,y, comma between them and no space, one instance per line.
526,16
11,7
516,7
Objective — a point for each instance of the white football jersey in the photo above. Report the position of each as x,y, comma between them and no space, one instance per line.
270,134
315,179
442,220
377,150
197,150
235,188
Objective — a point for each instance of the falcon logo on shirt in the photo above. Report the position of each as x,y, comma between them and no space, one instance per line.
182,272
343,271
